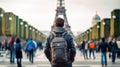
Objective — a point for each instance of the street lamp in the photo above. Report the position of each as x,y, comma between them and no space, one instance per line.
114,16
25,25
30,28
87,35
30,34
10,18
1,15
91,33
21,23
98,26
103,23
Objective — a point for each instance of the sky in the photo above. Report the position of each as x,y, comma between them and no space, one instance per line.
41,13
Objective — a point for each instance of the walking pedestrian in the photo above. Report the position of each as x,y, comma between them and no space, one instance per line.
92,49
18,48
114,48
84,46
30,48
103,47
12,49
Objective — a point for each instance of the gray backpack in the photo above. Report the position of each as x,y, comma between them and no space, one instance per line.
59,48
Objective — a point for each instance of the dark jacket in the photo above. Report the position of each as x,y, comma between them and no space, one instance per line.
69,40
113,46
83,45
103,47
19,51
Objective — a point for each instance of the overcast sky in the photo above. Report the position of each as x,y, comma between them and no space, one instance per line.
41,13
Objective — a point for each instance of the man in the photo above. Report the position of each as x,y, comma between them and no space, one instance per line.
103,47
114,47
71,51
30,48
85,49
91,49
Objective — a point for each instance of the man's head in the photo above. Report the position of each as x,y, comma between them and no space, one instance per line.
59,22
103,39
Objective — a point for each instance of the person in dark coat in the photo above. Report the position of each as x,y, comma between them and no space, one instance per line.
103,47
114,48
84,47
18,52
59,23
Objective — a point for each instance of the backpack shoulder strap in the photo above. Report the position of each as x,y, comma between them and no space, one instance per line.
58,34
53,33
63,34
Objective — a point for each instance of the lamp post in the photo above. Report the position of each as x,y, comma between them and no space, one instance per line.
9,25
25,31
91,34
25,25
98,27
30,33
36,33
104,29
114,16
104,23
10,18
88,35
21,23
1,15
116,24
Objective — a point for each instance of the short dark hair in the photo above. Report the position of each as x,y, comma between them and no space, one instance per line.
18,40
103,39
59,22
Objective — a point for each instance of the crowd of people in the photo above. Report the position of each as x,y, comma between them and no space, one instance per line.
16,46
91,47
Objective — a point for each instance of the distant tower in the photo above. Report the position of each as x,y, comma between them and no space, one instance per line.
61,11
95,19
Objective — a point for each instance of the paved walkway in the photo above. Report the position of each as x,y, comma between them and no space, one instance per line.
41,61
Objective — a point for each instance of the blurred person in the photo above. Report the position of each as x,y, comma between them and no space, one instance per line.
12,49
24,47
0,45
113,47
84,47
4,44
92,49
103,48
80,48
18,47
30,48
97,45
40,46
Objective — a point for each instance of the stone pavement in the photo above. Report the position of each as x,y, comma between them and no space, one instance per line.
41,61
